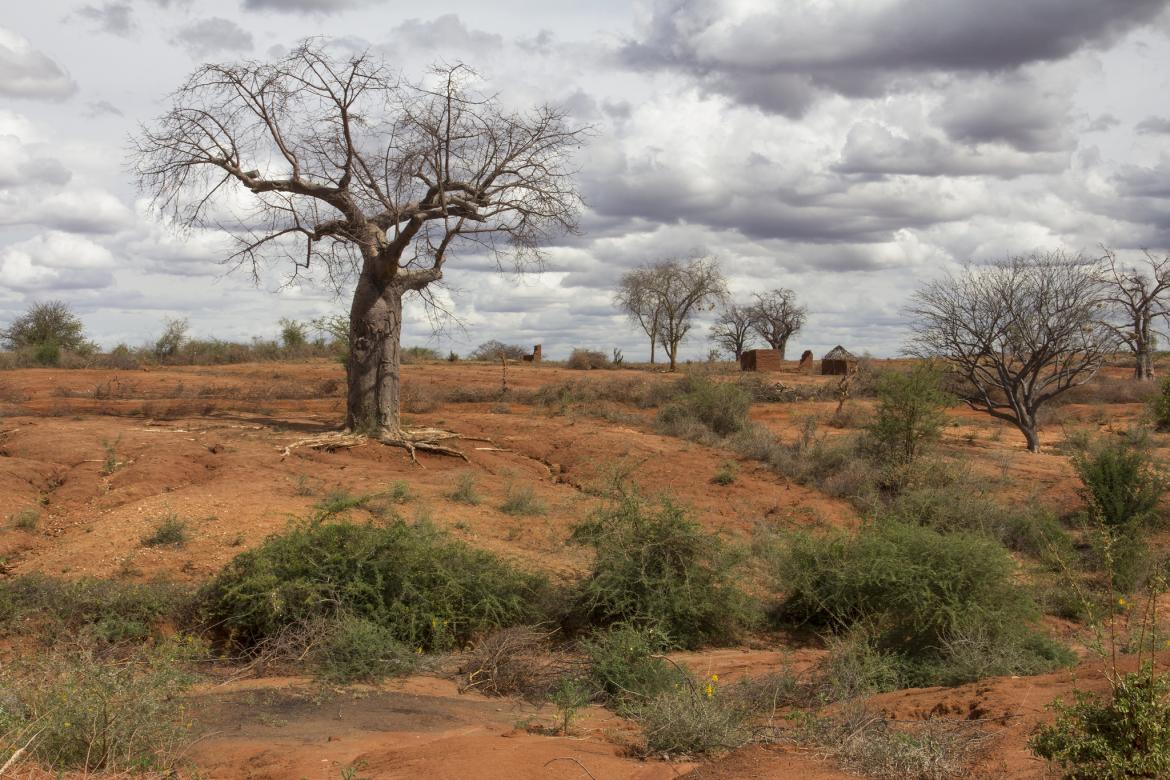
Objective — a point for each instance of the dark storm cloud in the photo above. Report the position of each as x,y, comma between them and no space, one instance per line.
1013,111
113,18
28,73
1153,125
305,6
872,150
212,36
836,213
782,59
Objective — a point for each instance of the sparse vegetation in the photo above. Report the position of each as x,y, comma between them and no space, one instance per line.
169,531
465,491
103,610
26,519
521,501
726,473
706,408
92,713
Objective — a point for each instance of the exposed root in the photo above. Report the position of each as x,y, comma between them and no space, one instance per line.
413,440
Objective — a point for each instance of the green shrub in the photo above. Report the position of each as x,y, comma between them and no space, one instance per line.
659,568
909,412
1160,406
169,531
720,408
94,713
1124,735
106,610
429,591
569,697
626,665
725,475
917,592
1121,482
354,649
960,507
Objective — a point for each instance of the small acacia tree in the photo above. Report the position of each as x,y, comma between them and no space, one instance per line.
664,298
732,331
46,328
775,316
635,296
343,164
1136,298
1018,333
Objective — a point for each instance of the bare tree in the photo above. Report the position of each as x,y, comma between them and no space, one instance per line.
1018,333
664,298
344,165
635,296
1136,298
776,316
732,331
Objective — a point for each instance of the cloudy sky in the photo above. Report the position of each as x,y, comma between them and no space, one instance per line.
843,148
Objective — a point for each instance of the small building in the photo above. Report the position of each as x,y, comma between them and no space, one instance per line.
760,360
838,362
534,358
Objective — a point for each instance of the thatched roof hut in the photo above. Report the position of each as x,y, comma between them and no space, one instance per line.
838,361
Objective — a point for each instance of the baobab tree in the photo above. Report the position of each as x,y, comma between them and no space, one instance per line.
1018,333
341,164
732,331
775,316
664,298
1136,298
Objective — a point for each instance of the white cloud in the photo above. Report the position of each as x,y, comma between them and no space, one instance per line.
56,261
28,73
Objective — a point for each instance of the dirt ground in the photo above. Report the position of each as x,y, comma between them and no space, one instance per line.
104,455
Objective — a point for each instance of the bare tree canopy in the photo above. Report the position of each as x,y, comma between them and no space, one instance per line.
343,164
732,331
1136,298
635,296
1018,333
664,298
776,316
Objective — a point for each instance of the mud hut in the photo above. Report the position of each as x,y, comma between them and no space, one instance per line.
760,360
838,361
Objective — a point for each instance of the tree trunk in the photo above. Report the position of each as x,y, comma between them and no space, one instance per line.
1028,428
373,371
1143,351
782,346
672,350
651,350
